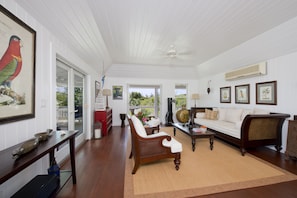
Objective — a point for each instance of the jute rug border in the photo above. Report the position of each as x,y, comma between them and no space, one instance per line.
129,191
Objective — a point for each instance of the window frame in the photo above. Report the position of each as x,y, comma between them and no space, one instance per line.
157,101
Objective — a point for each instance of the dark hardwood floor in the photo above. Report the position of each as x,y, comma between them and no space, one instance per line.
100,166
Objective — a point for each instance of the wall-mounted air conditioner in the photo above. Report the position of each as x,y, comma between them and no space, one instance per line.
248,71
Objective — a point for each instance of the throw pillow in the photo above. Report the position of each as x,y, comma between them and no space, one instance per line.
200,115
211,115
207,113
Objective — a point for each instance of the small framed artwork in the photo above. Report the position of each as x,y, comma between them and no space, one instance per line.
225,94
97,90
242,94
266,93
117,92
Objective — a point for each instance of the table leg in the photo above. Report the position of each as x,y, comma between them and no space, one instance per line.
72,158
174,131
193,144
51,156
211,141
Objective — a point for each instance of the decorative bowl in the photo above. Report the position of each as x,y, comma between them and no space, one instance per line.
42,136
25,147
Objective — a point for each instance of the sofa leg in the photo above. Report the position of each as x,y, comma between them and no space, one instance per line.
278,148
177,161
243,151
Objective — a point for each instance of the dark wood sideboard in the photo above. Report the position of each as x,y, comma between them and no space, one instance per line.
9,167
105,117
291,150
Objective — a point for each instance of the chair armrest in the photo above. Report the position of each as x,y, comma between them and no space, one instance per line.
152,145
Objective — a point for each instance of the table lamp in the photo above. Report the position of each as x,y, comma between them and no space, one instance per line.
195,97
106,92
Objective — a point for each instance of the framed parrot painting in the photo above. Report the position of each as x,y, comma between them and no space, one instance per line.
17,68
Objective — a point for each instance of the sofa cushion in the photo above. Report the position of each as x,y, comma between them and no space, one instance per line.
246,112
238,124
260,111
233,115
175,146
139,128
222,114
228,128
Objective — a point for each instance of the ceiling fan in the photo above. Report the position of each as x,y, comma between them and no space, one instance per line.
172,53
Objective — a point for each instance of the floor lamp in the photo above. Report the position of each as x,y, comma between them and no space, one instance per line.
195,97
106,92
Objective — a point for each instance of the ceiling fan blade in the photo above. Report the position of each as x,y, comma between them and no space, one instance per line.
185,53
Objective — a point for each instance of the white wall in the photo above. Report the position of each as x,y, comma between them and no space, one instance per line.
13,133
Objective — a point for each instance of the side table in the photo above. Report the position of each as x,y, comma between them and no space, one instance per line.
123,117
150,130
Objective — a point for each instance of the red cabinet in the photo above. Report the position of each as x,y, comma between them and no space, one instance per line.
105,117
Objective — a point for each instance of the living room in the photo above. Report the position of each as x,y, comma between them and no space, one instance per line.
276,46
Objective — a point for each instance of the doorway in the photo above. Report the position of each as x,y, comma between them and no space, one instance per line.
69,98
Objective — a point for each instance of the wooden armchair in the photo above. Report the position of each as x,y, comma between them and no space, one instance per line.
149,148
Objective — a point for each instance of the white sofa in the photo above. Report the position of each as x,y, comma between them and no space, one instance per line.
242,127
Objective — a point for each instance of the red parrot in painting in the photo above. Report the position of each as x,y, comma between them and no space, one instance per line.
11,61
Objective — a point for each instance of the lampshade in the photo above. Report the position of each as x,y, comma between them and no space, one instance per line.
195,96
106,92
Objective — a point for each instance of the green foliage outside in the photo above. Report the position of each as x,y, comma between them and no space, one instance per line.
78,96
137,100
62,97
180,100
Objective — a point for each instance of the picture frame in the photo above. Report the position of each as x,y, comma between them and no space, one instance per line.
225,94
98,91
17,101
266,93
117,92
242,94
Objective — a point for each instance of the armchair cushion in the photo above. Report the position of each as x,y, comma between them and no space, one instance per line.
174,145
139,128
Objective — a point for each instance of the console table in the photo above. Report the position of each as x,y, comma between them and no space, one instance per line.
9,167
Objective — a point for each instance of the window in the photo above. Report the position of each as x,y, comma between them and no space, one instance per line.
146,98
180,95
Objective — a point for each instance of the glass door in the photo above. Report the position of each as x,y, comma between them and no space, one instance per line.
69,98
62,95
78,101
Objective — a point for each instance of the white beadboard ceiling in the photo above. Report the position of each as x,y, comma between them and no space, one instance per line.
140,32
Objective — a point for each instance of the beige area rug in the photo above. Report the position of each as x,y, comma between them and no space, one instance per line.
201,172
